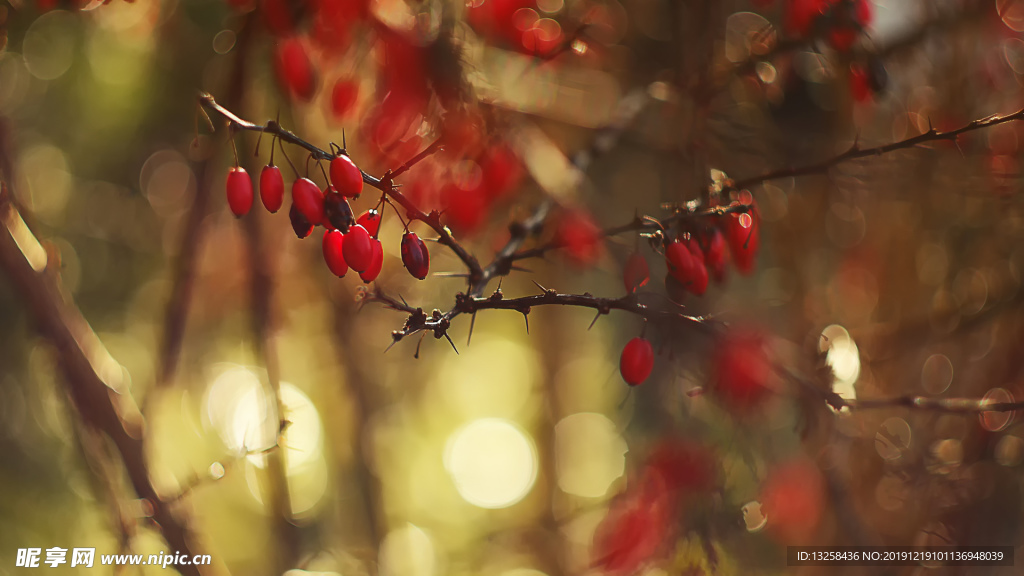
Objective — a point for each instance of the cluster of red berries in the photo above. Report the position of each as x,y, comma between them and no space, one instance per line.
692,258
347,242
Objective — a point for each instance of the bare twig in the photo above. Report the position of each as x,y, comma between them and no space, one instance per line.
385,184
104,407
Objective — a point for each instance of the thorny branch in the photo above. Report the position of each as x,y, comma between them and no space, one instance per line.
385,183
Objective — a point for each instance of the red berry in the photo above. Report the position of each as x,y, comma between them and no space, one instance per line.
637,361
346,177
358,249
466,208
792,500
332,246
715,254
310,200
636,274
295,69
376,262
271,188
337,210
742,233
343,97
686,266
860,88
300,224
370,220
415,256
502,170
239,188
801,14
742,371
579,236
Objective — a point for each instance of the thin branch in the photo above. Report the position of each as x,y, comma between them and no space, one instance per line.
855,152
108,408
385,184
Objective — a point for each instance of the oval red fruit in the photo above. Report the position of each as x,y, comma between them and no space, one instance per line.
716,255
742,371
699,281
337,210
376,262
239,188
300,224
579,236
295,69
686,267
332,246
271,188
309,199
415,256
346,177
370,220
358,249
636,273
343,97
637,361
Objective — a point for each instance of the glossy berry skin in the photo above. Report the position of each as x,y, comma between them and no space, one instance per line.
332,247
271,188
358,249
636,274
337,210
415,256
370,220
294,69
309,199
300,224
346,177
239,188
376,262
741,371
637,361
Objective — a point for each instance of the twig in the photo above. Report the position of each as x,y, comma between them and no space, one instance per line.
101,406
855,151
385,183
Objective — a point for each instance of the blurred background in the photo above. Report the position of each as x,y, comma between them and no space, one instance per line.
279,431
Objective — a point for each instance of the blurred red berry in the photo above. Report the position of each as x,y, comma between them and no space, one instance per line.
687,266
636,273
741,370
792,499
716,254
637,361
502,170
343,98
294,69
635,529
465,209
579,236
686,467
